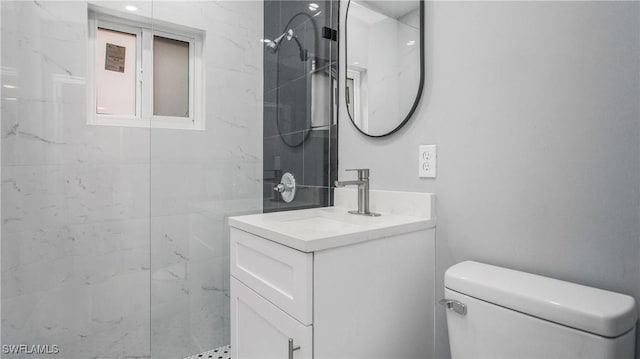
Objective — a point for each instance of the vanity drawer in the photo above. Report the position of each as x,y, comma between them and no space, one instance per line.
280,274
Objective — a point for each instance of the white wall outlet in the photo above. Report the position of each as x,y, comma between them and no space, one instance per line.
427,161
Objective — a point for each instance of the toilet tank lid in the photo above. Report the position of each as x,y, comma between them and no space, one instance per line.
593,310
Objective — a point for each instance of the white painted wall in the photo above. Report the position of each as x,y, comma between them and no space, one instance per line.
534,107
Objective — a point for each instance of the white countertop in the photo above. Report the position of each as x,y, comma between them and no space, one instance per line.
317,229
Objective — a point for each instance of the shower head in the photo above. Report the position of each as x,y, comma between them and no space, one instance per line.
274,45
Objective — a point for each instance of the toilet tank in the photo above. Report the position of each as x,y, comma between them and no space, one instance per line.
512,314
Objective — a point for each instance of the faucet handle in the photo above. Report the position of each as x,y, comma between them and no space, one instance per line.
363,173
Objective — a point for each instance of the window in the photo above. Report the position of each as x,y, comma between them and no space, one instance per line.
354,97
143,75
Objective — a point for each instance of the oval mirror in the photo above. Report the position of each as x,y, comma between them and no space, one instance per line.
384,58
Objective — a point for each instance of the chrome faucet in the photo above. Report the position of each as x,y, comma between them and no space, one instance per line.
363,191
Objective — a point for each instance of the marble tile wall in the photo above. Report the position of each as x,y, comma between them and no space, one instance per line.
113,239
75,198
199,178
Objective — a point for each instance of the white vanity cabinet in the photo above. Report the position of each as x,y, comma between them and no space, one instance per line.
337,285
271,288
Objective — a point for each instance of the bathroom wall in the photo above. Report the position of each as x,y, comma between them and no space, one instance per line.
534,107
75,198
300,131
113,238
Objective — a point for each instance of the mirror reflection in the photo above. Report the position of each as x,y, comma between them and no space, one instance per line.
383,63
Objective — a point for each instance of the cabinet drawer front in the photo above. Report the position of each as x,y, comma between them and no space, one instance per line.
261,330
280,274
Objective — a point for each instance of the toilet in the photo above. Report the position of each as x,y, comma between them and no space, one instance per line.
494,312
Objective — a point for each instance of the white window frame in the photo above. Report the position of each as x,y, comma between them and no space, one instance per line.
145,30
355,74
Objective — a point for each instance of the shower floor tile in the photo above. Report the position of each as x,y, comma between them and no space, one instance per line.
217,353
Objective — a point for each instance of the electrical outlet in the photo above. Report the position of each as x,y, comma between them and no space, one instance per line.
427,161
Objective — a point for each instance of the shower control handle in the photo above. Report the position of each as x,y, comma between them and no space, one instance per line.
286,187
292,348
282,187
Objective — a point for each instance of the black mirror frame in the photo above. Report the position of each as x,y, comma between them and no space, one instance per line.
420,86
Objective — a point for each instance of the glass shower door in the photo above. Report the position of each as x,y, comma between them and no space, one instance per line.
75,197
200,177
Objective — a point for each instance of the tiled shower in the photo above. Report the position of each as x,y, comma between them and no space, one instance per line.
300,92
113,237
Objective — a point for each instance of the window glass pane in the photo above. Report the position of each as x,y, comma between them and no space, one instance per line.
170,77
115,72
